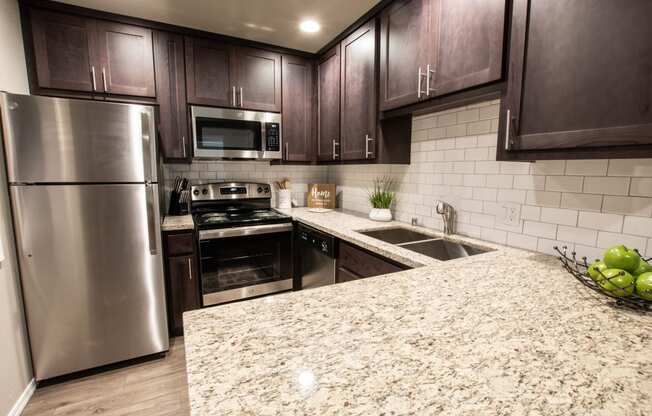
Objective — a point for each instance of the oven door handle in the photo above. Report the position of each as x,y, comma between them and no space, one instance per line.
244,231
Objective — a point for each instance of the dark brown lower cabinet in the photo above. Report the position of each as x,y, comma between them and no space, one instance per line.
579,81
182,279
355,263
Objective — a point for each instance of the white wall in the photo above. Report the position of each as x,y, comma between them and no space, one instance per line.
15,365
585,204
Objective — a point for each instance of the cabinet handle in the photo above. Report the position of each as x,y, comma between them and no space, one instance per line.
287,151
241,97
183,143
507,126
234,96
93,78
419,83
428,73
335,143
104,79
190,268
367,153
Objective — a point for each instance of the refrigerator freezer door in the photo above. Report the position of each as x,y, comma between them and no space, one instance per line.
92,274
53,140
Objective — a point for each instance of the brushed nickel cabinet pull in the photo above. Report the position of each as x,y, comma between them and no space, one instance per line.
234,104
507,126
241,97
367,153
93,78
183,143
190,268
429,72
335,155
104,79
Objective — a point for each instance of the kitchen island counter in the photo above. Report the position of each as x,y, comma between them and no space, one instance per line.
507,332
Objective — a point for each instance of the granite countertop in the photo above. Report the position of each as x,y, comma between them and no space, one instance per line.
177,222
501,333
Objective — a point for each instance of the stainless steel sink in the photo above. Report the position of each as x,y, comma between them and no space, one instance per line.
444,249
397,235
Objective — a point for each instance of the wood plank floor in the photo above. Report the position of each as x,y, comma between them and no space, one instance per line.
152,388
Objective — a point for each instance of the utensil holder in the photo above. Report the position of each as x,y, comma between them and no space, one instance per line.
284,198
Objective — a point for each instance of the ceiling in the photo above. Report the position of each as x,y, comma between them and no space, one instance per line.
269,21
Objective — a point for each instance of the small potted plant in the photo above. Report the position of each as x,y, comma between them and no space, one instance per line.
381,198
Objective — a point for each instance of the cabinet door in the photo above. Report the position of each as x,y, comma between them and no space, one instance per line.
405,44
184,290
361,263
62,51
208,73
328,142
127,59
469,51
298,132
358,86
171,88
258,79
583,89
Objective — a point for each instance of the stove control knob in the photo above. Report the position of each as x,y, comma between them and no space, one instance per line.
267,189
324,247
260,190
195,192
204,191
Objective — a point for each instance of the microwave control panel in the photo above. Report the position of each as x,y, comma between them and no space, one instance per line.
272,137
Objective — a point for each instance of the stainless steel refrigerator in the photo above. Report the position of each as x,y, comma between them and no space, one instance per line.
83,183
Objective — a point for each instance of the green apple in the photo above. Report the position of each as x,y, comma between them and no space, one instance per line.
595,269
643,267
618,282
621,257
644,285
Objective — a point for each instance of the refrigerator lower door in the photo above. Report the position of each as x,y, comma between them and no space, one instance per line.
59,140
92,274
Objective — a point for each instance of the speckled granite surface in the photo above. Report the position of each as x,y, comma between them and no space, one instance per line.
502,333
177,222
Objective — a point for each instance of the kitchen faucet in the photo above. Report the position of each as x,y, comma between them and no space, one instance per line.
448,215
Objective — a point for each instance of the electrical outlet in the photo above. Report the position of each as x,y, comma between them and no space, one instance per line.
511,214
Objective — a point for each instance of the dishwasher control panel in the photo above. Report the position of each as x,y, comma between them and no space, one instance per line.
322,242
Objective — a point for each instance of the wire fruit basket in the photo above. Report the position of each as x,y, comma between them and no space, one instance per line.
622,295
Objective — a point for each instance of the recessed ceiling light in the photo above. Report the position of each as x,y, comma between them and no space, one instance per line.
309,26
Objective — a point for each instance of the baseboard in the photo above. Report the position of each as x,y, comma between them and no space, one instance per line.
20,404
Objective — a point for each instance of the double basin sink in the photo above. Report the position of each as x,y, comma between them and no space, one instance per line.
435,247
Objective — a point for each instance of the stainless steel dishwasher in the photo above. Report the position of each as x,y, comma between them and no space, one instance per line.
317,257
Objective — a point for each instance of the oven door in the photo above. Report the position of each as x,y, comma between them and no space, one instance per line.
244,262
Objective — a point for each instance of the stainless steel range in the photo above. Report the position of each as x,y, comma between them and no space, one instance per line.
244,244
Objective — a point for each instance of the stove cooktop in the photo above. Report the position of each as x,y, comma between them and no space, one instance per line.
239,218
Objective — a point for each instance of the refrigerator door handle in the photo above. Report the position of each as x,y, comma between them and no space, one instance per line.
146,137
150,195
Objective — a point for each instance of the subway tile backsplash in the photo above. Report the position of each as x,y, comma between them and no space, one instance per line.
587,205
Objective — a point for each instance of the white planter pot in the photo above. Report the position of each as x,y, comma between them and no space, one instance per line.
285,198
380,214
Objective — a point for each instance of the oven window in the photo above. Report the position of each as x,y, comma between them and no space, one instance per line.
236,262
223,134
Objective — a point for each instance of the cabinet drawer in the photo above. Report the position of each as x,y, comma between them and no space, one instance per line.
362,263
180,244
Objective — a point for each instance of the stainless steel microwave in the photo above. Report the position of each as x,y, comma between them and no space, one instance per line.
221,133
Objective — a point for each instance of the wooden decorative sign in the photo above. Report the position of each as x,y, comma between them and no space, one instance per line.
322,195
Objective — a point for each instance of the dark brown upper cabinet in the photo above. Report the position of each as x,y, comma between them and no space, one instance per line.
258,78
405,46
429,48
223,75
328,105
358,93
62,46
126,58
580,81
171,86
469,50
209,67
298,114
80,54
